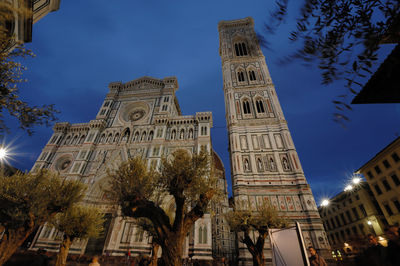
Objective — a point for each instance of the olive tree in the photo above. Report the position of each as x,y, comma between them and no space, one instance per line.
28,201
185,179
77,222
246,219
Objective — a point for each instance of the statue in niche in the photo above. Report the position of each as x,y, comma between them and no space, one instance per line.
173,135
246,165
272,164
190,134
259,165
285,164
182,134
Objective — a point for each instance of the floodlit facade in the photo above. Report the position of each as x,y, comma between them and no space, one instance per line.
138,118
349,217
21,26
382,173
264,161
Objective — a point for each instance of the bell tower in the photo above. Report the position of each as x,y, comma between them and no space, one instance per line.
264,162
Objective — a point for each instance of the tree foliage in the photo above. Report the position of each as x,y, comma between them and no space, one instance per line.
342,37
185,184
28,201
79,221
247,219
11,70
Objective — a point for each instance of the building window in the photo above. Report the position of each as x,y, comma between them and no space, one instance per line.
369,174
260,106
240,49
139,235
377,169
164,108
357,197
349,216
378,189
388,209
337,221
377,207
355,213
395,179
240,75
386,164
343,219
347,231
333,223
246,107
397,204
395,157
166,99
128,232
252,75
386,185
354,230
363,210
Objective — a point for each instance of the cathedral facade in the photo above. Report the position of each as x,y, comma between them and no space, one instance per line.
138,118
264,162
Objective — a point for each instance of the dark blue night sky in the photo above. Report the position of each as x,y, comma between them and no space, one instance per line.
88,44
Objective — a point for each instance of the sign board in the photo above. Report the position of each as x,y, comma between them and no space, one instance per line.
288,247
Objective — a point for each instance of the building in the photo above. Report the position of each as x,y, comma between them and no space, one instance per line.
350,217
264,162
138,118
382,173
21,26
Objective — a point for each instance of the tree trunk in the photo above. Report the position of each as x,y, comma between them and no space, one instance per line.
12,239
172,249
63,253
258,258
153,260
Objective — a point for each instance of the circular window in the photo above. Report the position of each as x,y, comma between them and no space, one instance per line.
137,115
63,163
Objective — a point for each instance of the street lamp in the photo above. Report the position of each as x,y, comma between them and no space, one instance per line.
325,202
348,188
3,153
356,180
369,222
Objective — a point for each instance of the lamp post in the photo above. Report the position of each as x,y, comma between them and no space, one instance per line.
3,157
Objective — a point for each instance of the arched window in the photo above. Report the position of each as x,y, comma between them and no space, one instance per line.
66,142
126,135
205,235
136,137
240,49
75,141
173,134
182,134
200,234
252,75
109,138
82,139
240,75
260,106
151,135
143,138
116,138
246,107
103,138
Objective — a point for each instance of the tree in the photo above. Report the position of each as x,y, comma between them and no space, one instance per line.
246,219
11,71
343,37
146,225
76,222
185,182
28,201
